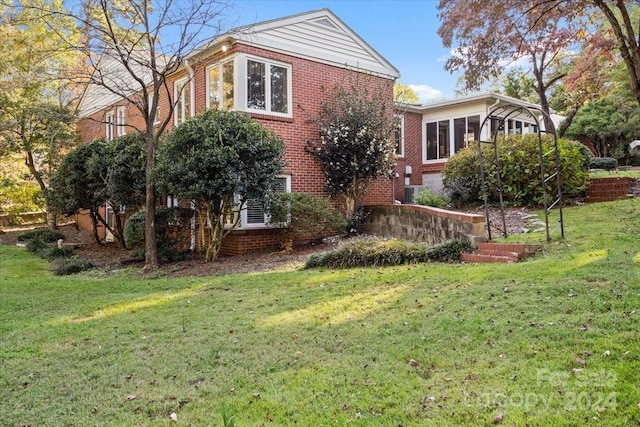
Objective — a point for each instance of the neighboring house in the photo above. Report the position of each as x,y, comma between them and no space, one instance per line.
432,133
276,72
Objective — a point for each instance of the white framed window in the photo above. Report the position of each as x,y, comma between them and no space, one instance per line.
121,118
172,202
182,95
399,135
268,88
254,215
220,85
436,140
466,130
109,122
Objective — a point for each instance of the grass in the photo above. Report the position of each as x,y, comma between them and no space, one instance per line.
615,174
548,342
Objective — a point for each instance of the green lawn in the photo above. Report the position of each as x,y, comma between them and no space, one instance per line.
547,342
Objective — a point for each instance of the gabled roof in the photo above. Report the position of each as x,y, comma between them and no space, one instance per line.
318,35
113,73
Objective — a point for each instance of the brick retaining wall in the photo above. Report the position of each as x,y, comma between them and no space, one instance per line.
608,189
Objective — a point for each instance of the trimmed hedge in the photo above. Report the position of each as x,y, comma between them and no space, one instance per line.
606,163
376,252
427,197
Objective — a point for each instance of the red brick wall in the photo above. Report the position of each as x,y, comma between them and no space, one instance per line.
412,152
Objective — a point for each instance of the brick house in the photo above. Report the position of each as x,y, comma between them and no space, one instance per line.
275,71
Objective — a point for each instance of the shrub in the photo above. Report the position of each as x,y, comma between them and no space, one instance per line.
449,251
55,252
170,244
302,216
44,234
66,266
426,197
374,252
606,163
38,246
520,171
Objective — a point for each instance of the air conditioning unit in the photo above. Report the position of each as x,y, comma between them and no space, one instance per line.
410,192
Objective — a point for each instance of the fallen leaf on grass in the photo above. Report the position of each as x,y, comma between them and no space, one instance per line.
580,360
173,416
498,418
583,328
132,397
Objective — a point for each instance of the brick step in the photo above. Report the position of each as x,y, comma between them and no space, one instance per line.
510,247
500,252
466,257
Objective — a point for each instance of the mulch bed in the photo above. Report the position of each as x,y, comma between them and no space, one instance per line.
110,257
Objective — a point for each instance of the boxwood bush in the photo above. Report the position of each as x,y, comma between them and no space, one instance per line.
606,163
519,159
302,216
170,243
44,234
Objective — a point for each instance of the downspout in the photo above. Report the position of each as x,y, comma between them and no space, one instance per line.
192,112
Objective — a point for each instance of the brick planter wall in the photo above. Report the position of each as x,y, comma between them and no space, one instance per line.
424,224
608,189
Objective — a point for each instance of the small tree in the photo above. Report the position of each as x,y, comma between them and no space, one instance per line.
102,170
356,145
220,160
80,182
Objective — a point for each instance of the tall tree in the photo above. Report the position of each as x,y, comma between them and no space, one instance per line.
621,17
221,160
490,36
130,49
36,102
404,94
356,143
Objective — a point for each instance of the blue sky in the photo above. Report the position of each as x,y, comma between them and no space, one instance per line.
404,32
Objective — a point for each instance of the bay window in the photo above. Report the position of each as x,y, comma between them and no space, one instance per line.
220,86
268,87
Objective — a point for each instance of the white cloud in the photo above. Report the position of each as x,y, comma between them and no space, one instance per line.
426,93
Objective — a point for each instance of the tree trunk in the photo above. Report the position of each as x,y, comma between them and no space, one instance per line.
562,129
51,212
151,245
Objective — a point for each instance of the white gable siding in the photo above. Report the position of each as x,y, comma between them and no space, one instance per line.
319,36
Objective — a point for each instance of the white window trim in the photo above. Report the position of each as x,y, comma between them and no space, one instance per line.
402,147
243,225
121,125
221,80
173,202
242,88
178,96
424,141
109,125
